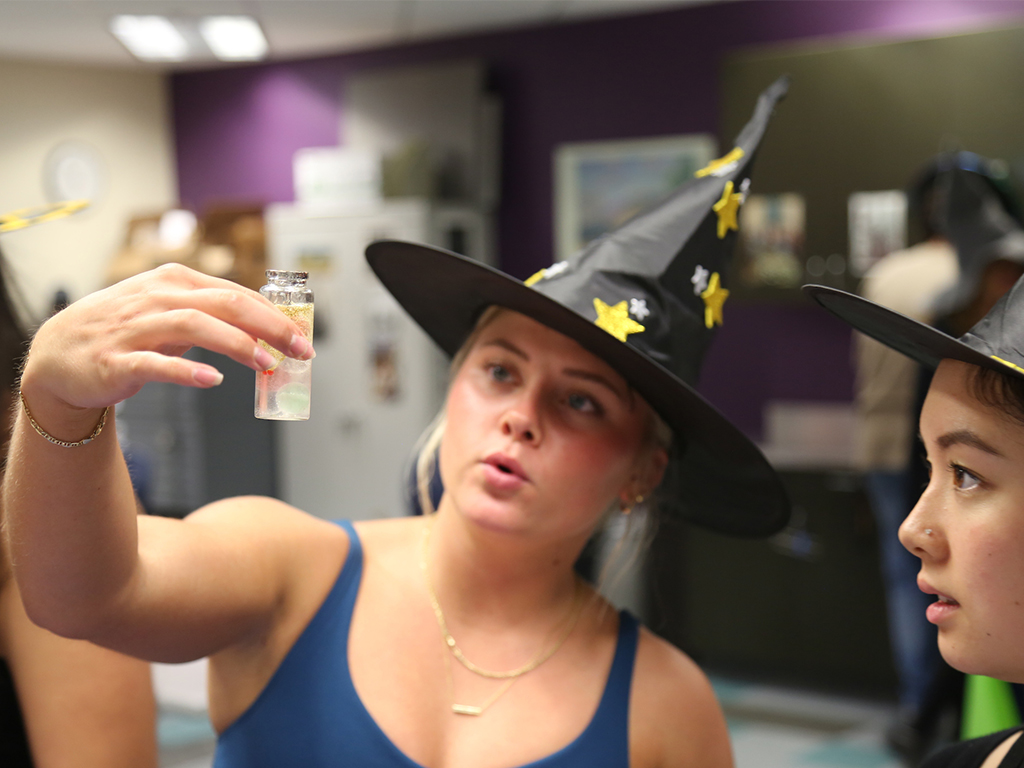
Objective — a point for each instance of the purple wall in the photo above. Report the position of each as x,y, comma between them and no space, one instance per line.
237,129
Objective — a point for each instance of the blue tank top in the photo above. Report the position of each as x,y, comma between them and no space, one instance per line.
310,715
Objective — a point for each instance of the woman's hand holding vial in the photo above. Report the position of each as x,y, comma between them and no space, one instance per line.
103,348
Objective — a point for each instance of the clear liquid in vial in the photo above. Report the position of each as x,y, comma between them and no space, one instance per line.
283,392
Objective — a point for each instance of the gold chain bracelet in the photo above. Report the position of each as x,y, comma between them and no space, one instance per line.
63,443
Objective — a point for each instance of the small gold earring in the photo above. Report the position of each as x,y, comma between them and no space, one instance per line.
636,502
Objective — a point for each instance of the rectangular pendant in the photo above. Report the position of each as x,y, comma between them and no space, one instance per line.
466,709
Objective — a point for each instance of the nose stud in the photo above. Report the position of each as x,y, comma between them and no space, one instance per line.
927,531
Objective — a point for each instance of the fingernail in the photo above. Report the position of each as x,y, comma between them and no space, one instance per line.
300,348
208,377
264,359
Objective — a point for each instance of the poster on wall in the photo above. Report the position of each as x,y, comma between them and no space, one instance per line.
771,241
601,185
877,225
383,322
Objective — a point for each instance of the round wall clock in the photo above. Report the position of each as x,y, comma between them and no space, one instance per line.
74,170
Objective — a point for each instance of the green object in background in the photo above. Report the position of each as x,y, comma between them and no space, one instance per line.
989,706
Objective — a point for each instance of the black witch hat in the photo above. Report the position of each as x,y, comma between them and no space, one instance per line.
645,299
995,342
978,225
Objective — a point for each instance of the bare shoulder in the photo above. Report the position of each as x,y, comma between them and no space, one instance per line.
277,565
674,719
390,531
249,556
257,512
301,544
386,543
260,520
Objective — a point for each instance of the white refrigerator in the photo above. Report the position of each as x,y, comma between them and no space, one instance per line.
378,380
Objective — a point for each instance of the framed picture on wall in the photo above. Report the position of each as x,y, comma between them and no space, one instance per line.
771,241
600,185
877,226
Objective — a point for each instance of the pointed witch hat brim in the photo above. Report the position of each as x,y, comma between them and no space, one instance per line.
720,478
993,343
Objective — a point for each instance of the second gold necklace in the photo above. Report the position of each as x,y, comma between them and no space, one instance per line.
511,675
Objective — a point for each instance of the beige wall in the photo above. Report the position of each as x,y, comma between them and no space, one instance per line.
124,116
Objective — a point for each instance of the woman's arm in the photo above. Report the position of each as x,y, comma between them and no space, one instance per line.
86,566
83,706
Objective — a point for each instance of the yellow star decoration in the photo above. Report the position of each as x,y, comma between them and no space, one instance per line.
616,320
26,217
543,274
726,208
733,157
714,297
535,278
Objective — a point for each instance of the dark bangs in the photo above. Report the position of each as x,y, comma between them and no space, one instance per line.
997,390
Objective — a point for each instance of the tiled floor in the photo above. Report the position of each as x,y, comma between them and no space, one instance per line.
770,728
186,739
779,728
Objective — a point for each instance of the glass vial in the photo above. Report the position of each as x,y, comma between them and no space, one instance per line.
283,392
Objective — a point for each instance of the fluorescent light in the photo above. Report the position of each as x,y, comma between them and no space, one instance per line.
233,38
152,38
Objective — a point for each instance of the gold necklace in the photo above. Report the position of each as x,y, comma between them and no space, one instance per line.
512,675
471,709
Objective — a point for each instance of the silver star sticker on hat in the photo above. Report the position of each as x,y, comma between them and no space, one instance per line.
556,269
638,308
700,280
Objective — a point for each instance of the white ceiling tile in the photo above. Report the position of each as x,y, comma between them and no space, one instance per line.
77,31
60,32
434,17
310,27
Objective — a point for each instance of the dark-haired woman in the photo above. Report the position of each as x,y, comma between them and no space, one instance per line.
968,526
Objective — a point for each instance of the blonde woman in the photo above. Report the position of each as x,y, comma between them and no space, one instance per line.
459,639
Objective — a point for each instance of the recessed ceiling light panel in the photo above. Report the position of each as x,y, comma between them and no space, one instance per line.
150,38
233,38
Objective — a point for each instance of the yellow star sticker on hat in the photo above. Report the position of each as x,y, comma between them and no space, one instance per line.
616,320
714,297
721,164
726,208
